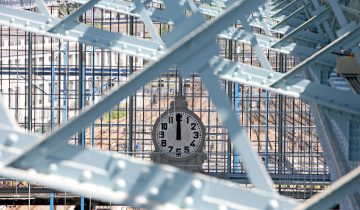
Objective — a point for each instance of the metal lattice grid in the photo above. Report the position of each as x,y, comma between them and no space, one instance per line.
273,121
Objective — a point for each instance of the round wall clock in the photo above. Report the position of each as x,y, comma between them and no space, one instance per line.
179,136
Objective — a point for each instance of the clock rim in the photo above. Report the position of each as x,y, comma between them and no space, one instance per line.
165,155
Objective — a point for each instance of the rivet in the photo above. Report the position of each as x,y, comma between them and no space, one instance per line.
12,20
222,207
197,184
27,23
121,183
141,200
12,138
86,174
48,21
161,47
42,27
32,171
189,200
271,75
273,204
66,32
121,164
154,191
53,167
110,44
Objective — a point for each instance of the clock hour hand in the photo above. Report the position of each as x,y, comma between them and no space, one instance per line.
178,126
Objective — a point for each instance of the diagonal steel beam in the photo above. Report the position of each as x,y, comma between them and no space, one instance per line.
238,134
303,89
285,8
202,36
346,41
315,19
41,5
335,193
60,26
36,23
119,179
296,12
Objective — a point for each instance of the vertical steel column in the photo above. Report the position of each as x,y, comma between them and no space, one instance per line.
65,53
267,125
51,201
81,100
29,120
131,98
280,123
237,91
93,94
81,90
267,130
230,91
52,113
180,85
29,79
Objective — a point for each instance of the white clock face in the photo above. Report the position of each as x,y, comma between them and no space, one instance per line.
178,134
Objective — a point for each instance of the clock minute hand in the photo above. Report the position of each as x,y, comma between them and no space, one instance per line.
178,126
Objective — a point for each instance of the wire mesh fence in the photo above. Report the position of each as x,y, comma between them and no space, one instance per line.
66,77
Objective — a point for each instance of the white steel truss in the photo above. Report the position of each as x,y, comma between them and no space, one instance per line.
191,46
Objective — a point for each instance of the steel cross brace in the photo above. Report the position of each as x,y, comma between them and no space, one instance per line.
291,6
303,89
83,173
50,150
346,41
293,14
158,15
338,112
155,14
115,178
82,33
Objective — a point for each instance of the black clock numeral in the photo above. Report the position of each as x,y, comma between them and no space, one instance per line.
163,143
162,134
186,149
178,117
192,143
171,119
164,126
187,120
178,151
196,135
193,125
171,148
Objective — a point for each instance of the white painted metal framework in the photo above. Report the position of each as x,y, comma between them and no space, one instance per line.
311,30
